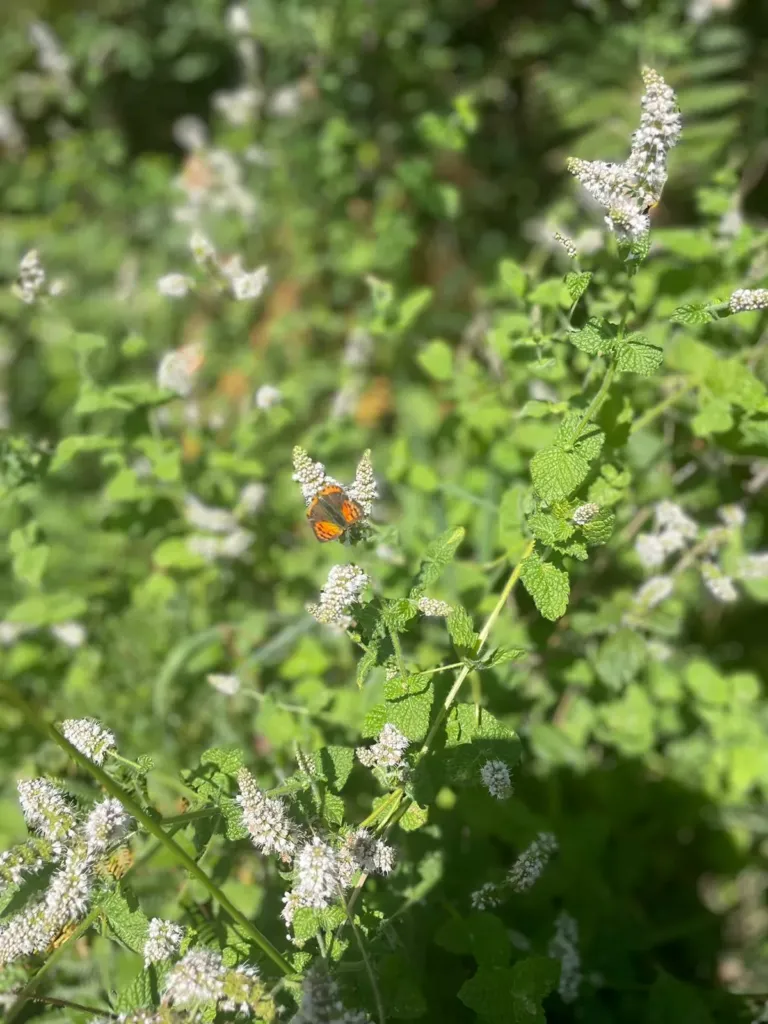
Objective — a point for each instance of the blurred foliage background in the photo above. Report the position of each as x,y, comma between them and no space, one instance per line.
422,143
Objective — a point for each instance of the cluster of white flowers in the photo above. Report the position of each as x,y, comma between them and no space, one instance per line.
311,477
175,286
531,862
628,190
431,607
31,277
496,779
745,299
251,498
673,530
208,517
51,57
358,351
178,369
228,273
226,683
90,737
720,586
244,284
342,589
266,819
163,941
223,537
564,947
387,753
25,860
567,244
267,396
71,634
197,979
585,513
77,849
368,854
238,106
321,1004
487,896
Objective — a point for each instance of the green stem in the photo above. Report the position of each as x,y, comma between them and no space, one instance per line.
69,1005
484,634
150,824
598,400
397,647
180,820
650,414
387,804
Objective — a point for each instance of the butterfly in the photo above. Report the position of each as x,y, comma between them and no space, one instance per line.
332,511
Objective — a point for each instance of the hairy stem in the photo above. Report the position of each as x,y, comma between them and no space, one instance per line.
597,401
149,823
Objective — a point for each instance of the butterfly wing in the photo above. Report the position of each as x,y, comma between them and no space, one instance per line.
326,515
325,530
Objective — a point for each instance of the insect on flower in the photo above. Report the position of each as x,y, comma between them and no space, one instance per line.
331,512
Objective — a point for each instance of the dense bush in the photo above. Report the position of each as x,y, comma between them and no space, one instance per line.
499,752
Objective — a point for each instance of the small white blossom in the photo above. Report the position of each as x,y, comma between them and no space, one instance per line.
267,396
733,516
388,750
369,854
238,106
321,1004
235,544
718,584
670,516
71,634
531,862
266,819
238,20
196,979
758,471
317,882
105,826
226,684
342,589
650,550
11,631
654,591
252,497
163,941
190,133
46,809
628,190
585,513
363,489
567,244
745,299
207,517
50,55
174,286
291,903
496,779
90,737
564,947
244,284
202,248
310,475
24,860
431,607
486,897
31,277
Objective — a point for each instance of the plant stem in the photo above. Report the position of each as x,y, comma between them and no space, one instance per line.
650,414
387,804
598,400
484,634
397,647
68,1004
368,966
151,824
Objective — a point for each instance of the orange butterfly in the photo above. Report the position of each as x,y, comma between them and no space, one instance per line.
332,511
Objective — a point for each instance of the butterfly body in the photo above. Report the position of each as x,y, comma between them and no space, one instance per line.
331,512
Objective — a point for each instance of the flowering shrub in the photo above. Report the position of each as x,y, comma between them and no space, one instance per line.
494,752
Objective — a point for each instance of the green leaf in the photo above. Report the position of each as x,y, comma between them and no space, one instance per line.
436,359
620,658
577,284
78,444
397,614
548,528
488,940
706,683
175,553
512,995
638,355
227,759
548,586
512,278
501,655
462,631
335,764
599,530
232,813
410,711
692,313
597,335
714,417
139,993
414,818
126,918
437,556
672,1002
557,473
400,987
